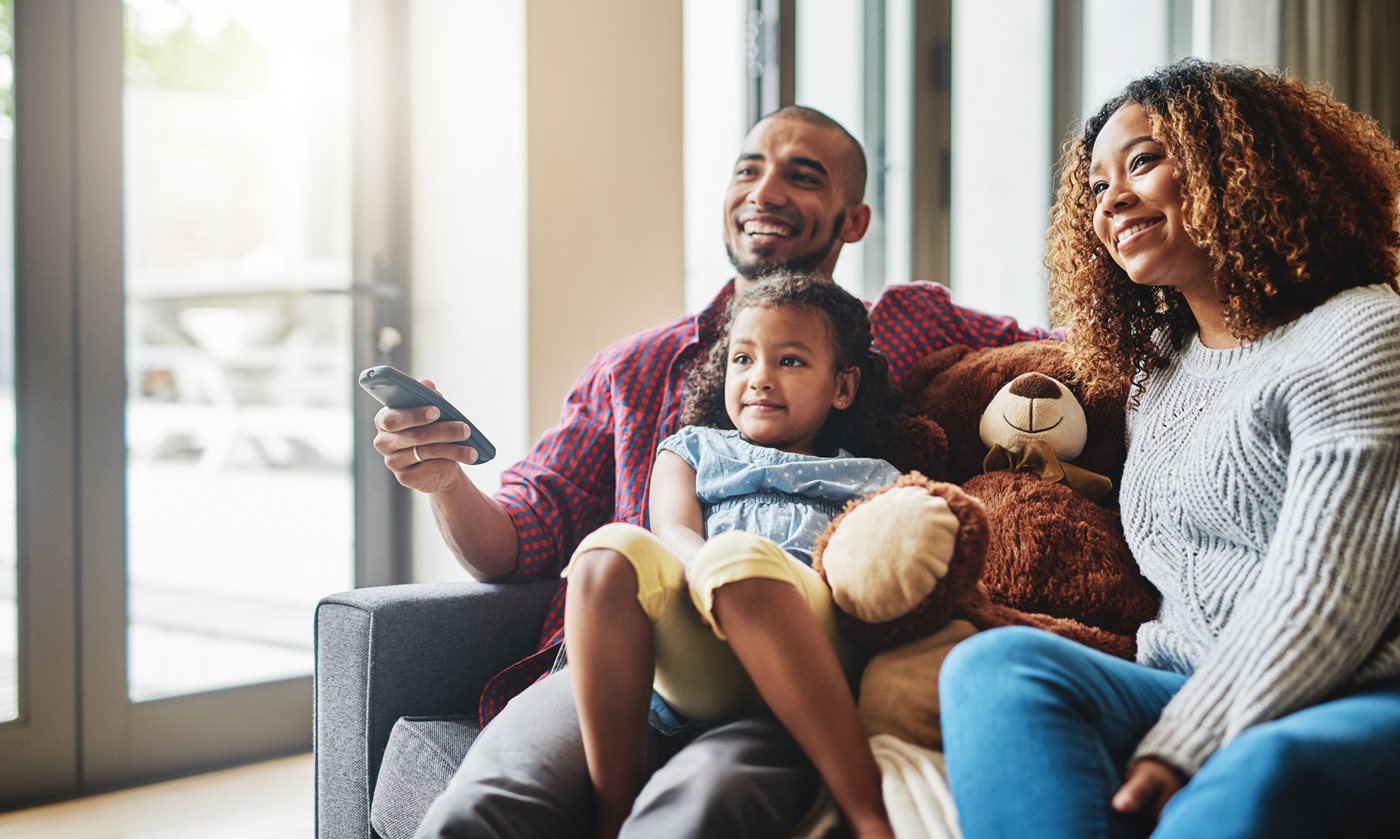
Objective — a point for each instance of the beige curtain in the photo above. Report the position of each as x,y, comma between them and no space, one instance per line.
1352,46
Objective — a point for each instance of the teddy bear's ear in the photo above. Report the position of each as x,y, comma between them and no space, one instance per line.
929,367
1106,448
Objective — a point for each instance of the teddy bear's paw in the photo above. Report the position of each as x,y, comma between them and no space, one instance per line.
887,556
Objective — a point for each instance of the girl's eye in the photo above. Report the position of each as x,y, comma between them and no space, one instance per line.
1098,188
739,358
792,361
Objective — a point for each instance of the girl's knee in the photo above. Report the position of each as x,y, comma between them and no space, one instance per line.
600,571
743,566
996,648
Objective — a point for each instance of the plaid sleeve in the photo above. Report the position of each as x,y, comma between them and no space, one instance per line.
563,489
912,320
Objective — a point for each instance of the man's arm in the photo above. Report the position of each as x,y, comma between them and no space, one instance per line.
424,455
565,487
477,529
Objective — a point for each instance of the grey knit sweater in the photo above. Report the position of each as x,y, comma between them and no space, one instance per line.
1261,495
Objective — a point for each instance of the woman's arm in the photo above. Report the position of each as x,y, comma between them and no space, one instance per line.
1326,588
675,510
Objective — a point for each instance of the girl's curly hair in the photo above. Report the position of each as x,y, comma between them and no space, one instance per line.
859,428
1291,195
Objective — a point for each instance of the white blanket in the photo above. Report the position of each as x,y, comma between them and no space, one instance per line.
915,786
916,790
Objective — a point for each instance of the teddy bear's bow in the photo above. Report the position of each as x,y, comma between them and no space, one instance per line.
1039,459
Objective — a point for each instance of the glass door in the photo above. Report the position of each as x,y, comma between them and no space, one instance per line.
236,131
232,438
205,249
38,521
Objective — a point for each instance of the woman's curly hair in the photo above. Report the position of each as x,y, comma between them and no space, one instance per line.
859,428
1291,195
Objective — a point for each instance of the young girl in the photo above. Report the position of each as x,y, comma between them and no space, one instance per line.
715,613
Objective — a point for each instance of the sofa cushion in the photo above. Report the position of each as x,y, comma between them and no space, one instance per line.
420,759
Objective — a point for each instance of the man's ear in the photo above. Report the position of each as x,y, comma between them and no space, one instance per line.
847,384
857,222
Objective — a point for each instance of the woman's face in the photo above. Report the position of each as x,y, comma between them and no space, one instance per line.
1137,210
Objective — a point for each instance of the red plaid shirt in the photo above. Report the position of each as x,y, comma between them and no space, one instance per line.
595,465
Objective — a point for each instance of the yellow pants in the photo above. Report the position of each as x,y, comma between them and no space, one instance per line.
696,671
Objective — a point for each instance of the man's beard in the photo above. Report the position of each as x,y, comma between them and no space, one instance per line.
800,264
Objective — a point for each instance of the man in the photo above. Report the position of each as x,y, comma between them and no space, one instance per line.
795,199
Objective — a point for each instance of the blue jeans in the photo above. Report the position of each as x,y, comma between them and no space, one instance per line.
1038,732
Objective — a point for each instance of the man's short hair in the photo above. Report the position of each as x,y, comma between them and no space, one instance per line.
854,160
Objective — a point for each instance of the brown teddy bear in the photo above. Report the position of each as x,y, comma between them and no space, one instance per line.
1029,538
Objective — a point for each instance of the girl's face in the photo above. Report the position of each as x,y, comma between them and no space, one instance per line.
781,380
1137,211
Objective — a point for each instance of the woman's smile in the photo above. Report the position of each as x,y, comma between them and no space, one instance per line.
1129,233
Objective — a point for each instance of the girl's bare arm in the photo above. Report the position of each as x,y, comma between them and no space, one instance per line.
675,511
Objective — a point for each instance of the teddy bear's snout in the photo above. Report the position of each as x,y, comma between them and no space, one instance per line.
1035,386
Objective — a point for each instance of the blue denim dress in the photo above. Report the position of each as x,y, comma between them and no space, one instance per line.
790,498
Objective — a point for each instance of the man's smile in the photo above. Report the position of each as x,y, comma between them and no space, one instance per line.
764,228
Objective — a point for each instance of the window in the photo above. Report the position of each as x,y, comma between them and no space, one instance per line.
851,59
1011,115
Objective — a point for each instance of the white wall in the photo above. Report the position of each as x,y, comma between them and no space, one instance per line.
1112,56
547,205
605,227
468,252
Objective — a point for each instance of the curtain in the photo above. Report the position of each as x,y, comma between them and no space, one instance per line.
1349,45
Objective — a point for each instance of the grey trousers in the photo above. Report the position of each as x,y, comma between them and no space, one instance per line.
525,777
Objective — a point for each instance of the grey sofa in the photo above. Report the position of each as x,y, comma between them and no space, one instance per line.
398,673
399,670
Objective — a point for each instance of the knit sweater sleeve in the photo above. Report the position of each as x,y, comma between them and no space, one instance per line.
1329,583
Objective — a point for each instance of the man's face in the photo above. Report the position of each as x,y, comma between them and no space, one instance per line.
787,208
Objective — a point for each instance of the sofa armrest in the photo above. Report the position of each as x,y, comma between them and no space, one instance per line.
407,650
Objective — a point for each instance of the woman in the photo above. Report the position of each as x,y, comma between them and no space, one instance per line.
1224,248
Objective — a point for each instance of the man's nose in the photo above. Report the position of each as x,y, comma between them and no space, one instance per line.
768,191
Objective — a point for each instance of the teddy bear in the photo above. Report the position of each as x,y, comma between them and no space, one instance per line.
1009,521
